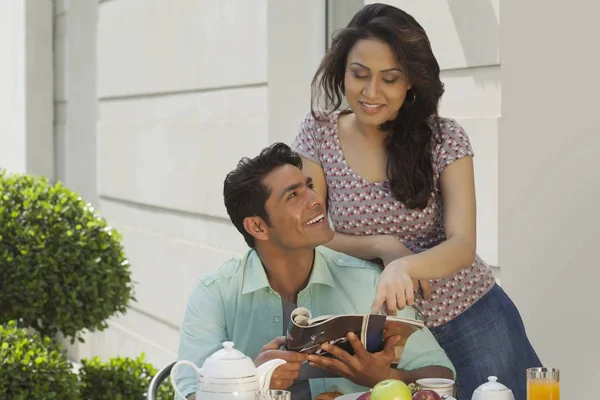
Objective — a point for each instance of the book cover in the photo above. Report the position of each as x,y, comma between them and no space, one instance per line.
306,334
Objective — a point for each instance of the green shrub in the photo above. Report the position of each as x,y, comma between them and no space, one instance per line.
120,378
62,268
32,367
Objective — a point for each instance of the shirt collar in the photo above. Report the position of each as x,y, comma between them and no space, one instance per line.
255,276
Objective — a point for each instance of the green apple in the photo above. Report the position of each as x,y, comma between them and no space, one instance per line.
391,389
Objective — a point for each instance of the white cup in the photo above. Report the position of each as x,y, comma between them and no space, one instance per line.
442,386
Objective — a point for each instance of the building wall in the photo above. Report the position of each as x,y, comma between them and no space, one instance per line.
26,144
180,98
549,182
12,95
177,98
75,100
464,37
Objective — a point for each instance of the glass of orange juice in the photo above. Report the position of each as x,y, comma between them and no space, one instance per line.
543,384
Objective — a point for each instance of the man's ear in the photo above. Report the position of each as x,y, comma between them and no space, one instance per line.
257,227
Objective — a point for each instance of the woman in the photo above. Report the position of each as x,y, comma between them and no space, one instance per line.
399,183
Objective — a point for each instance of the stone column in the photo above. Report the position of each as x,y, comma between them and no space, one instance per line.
26,81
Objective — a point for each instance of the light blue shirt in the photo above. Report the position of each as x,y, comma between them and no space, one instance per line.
236,303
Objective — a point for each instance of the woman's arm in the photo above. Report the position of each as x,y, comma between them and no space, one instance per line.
395,285
370,247
458,250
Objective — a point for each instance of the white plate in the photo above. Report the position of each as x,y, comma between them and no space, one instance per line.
351,396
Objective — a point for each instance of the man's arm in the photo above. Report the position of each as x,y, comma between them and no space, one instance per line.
201,334
367,369
420,373
423,358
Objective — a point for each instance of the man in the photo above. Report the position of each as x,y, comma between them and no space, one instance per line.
249,300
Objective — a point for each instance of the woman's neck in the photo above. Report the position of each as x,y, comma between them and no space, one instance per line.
370,133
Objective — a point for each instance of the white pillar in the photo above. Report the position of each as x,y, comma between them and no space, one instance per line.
549,181
75,96
301,26
26,112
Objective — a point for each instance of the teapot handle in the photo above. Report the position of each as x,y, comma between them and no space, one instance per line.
265,371
173,372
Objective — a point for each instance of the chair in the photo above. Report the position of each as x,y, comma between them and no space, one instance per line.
157,380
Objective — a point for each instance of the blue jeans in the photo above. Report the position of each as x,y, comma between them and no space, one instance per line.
488,339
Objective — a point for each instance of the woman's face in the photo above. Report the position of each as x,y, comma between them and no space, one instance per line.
375,83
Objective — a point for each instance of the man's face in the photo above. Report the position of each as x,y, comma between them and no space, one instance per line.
297,215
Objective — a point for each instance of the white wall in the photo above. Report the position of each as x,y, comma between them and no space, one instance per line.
296,43
26,143
549,182
75,95
180,99
176,85
12,86
464,37
179,94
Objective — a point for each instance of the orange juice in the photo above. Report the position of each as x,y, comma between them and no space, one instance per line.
543,389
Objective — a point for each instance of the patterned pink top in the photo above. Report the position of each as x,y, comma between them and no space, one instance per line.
360,207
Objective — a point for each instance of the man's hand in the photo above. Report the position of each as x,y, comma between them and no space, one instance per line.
284,376
363,368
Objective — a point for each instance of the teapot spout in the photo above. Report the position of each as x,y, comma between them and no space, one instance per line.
265,371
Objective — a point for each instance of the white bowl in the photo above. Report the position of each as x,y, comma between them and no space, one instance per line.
442,386
350,396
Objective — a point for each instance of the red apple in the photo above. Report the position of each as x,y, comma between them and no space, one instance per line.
364,396
426,395
391,389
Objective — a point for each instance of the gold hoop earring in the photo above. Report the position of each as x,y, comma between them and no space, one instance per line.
414,98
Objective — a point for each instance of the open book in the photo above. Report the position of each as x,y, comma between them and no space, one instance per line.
306,334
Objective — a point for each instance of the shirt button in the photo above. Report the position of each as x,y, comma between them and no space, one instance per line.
341,260
276,319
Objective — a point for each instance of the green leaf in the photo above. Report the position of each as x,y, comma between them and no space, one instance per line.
121,377
62,267
49,376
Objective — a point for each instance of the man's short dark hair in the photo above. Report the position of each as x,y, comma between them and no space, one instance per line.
244,192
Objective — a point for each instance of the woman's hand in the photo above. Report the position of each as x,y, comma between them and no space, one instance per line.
390,251
396,289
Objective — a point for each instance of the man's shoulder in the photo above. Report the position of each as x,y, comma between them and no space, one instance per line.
227,271
339,261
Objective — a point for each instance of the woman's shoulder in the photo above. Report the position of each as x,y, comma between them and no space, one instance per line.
444,127
316,135
451,142
321,119
318,127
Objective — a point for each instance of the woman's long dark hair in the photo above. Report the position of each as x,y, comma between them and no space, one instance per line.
409,144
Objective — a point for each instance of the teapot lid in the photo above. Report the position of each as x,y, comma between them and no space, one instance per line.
492,385
228,363
227,353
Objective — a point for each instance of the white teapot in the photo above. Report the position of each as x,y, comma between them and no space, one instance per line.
492,390
229,374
